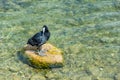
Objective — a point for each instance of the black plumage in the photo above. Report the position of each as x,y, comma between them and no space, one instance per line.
40,38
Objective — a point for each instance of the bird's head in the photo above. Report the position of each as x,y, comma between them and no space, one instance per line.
45,32
45,29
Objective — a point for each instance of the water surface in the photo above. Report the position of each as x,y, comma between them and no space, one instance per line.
87,31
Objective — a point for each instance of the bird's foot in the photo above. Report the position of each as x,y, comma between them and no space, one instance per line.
41,52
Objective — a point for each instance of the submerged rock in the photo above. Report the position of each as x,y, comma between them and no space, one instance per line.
53,57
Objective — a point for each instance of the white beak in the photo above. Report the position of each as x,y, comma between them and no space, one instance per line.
43,30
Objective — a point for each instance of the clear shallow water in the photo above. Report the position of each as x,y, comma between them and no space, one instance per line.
87,31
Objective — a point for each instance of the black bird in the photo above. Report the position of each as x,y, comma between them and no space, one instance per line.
39,39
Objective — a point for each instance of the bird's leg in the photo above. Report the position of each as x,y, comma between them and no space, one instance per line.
41,52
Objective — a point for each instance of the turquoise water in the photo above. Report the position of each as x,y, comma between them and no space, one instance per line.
87,31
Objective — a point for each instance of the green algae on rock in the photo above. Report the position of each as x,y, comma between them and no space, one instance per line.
53,57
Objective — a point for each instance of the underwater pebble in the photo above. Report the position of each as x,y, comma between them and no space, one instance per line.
72,22
38,77
104,79
101,69
95,71
112,54
85,78
13,69
117,77
17,77
2,78
49,75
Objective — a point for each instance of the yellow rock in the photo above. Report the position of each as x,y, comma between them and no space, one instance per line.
53,57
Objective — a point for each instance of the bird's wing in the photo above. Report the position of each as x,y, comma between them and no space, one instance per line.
37,38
